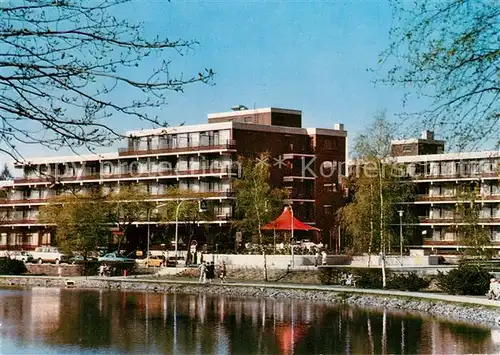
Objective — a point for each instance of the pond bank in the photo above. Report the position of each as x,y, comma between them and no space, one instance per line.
459,308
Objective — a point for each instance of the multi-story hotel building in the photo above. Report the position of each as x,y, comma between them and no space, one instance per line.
438,177
200,158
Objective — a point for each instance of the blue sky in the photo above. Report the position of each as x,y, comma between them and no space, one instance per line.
313,56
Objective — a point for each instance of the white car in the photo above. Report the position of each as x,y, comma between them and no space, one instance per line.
21,255
49,255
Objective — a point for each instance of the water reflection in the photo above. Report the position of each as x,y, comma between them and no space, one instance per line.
109,322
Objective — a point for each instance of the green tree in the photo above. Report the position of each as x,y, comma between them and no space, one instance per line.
447,52
6,174
377,185
129,204
189,210
82,221
256,201
471,234
63,63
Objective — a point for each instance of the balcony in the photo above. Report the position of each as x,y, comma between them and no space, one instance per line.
454,176
450,243
453,198
202,194
454,220
228,170
21,221
163,148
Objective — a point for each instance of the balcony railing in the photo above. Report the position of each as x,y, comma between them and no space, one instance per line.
130,175
164,148
200,194
456,175
27,221
426,197
453,220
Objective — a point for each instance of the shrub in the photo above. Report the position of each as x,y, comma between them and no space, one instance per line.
407,282
369,278
330,275
12,267
465,280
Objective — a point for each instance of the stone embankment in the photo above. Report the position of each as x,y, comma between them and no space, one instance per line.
476,310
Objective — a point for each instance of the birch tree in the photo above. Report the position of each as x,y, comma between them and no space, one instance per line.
256,201
378,186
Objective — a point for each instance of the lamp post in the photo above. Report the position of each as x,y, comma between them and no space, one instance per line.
149,230
401,235
177,228
293,239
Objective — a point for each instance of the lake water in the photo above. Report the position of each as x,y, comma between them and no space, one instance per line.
70,321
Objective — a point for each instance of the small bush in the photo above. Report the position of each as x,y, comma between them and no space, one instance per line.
12,267
465,280
330,275
407,282
369,278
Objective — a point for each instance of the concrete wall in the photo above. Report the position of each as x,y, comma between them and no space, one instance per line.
283,261
273,261
393,260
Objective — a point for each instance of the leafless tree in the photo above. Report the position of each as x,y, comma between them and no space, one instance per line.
447,52
63,64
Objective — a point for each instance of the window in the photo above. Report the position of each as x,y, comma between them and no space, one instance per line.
328,210
407,148
248,119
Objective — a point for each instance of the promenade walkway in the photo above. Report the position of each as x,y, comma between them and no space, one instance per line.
435,296
431,296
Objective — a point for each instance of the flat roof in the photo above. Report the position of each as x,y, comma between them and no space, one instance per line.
253,112
448,156
66,159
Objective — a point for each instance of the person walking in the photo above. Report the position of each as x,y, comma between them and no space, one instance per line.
316,258
222,271
203,273
101,270
210,272
323,257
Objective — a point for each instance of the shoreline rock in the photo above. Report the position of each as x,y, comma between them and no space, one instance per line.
445,310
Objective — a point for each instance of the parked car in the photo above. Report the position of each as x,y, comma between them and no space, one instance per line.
21,255
156,261
49,255
115,258
171,261
78,259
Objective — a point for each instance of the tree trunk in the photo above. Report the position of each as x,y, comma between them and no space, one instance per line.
382,234
371,227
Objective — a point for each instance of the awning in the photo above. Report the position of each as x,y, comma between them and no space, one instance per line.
285,222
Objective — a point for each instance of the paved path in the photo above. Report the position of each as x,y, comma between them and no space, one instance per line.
479,300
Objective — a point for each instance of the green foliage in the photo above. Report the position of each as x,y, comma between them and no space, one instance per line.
407,282
330,275
465,280
82,221
447,52
369,278
470,232
127,205
377,186
256,202
12,267
365,277
6,174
